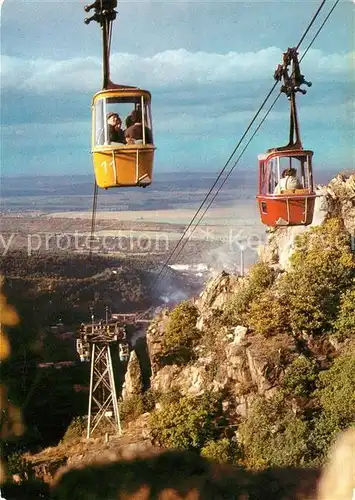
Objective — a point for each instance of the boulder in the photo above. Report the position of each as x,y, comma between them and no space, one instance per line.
155,333
188,380
133,381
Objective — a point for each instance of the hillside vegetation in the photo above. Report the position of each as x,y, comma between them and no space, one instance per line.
302,321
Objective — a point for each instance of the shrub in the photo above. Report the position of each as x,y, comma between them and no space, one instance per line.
222,451
336,387
187,423
150,398
272,436
326,246
76,429
300,377
259,279
344,325
322,268
137,404
267,314
337,402
131,408
181,333
171,396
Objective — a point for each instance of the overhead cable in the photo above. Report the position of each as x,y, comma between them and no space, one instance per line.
239,143
253,135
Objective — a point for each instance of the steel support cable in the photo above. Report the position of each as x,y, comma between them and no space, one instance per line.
93,224
311,24
319,29
107,26
254,133
215,182
267,113
235,149
237,146
222,184
110,27
229,173
93,217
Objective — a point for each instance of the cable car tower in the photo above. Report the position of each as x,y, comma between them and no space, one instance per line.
286,193
94,344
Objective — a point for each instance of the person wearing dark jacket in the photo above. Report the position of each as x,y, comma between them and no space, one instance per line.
135,131
115,132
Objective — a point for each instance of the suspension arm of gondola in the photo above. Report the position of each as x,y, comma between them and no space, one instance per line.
291,85
105,14
105,54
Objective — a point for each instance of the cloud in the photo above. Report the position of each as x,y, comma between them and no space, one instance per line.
174,129
202,103
175,69
36,135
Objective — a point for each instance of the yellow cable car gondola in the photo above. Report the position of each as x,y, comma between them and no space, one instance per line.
122,131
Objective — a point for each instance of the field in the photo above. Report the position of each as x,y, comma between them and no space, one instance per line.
43,214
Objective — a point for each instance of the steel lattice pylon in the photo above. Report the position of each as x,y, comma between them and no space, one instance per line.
93,344
103,404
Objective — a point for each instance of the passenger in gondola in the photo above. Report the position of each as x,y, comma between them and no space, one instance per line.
115,133
129,121
134,133
288,181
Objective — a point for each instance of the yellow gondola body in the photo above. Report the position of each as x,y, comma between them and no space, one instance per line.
119,164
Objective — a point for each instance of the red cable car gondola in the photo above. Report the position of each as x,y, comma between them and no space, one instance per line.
286,193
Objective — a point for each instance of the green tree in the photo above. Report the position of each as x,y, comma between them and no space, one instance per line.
259,279
323,266
300,377
267,314
344,325
137,404
337,402
272,436
181,333
187,423
222,451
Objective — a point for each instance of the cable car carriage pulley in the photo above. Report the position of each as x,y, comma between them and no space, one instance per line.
121,158
286,193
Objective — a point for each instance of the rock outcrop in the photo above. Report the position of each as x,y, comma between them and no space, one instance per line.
216,293
133,382
235,360
155,335
341,192
245,364
189,380
336,199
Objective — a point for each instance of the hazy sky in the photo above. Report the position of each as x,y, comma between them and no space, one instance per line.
209,65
